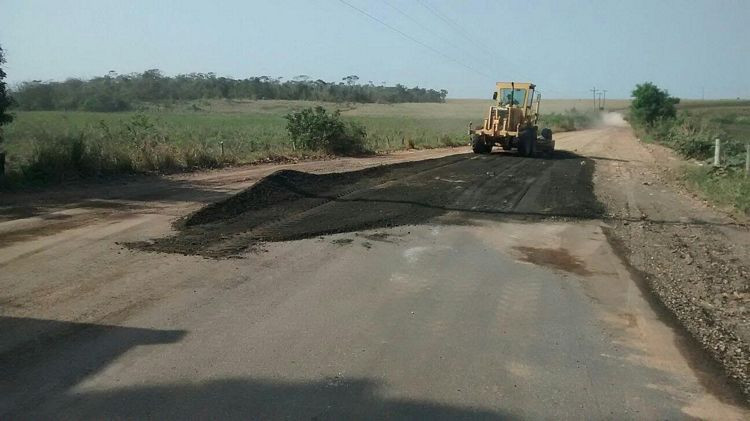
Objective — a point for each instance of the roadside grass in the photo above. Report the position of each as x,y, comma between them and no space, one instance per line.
727,187
692,134
54,146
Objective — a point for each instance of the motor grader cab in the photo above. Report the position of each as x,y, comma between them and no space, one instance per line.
512,122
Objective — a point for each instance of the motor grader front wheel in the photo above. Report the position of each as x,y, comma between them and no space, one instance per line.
479,144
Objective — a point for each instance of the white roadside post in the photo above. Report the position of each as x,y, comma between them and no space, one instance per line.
717,152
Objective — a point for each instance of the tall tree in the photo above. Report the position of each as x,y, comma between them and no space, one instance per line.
5,101
350,80
116,92
651,103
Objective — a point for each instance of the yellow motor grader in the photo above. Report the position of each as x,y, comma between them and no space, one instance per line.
512,123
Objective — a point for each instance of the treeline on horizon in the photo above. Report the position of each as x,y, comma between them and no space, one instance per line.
123,92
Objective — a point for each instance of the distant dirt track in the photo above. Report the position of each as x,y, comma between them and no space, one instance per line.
289,205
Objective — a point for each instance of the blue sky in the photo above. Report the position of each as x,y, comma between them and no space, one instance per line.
565,47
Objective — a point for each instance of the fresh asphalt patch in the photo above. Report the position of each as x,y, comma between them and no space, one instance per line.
290,205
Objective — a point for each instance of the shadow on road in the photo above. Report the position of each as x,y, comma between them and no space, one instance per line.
41,361
248,398
49,357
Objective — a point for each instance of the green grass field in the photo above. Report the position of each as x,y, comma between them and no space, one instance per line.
57,145
733,116
249,129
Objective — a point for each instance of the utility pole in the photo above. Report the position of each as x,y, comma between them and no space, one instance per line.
593,91
604,98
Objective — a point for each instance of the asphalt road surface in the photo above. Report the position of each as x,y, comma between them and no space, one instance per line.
434,284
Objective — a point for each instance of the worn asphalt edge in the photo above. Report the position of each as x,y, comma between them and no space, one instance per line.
701,356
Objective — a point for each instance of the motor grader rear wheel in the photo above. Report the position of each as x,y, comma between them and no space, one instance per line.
546,139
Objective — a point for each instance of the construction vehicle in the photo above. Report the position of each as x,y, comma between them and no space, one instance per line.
512,123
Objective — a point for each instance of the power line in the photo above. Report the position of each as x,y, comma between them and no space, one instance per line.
430,30
425,27
405,35
449,22
465,34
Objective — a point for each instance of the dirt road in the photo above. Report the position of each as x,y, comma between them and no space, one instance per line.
441,285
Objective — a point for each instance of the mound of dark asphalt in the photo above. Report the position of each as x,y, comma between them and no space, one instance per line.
290,205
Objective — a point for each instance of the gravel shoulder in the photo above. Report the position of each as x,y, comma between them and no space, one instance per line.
694,257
